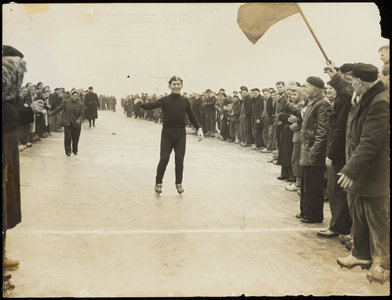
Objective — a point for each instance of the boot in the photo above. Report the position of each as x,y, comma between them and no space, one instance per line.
377,274
349,245
343,239
351,262
292,187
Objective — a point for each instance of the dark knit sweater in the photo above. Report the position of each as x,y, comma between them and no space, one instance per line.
174,108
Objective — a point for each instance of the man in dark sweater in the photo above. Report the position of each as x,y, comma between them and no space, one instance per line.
174,108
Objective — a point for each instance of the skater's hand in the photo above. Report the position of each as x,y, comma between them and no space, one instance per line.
78,121
200,134
258,121
37,106
344,181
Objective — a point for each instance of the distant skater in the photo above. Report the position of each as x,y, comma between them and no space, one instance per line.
71,119
174,108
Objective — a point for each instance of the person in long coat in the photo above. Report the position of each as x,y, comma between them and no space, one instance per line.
13,71
285,146
365,176
314,136
196,107
246,118
257,123
234,115
91,106
295,127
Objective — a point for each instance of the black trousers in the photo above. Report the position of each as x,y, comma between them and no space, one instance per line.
71,134
172,138
341,219
370,228
287,172
312,193
258,136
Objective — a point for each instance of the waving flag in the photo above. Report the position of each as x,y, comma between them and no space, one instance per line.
254,19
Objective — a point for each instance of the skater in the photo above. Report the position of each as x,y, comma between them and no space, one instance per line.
71,119
174,108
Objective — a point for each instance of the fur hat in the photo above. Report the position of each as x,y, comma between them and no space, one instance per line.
13,71
11,51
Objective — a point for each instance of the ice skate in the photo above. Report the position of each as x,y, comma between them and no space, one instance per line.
180,190
158,188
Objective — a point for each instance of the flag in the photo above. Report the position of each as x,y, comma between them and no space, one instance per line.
254,19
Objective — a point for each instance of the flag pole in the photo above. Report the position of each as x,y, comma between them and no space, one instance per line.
312,32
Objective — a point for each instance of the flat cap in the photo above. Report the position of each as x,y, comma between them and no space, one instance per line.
345,68
243,88
90,88
365,72
208,91
255,89
315,81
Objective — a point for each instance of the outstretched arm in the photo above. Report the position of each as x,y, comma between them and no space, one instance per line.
150,105
58,109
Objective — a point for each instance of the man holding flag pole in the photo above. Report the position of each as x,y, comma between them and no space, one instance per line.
365,175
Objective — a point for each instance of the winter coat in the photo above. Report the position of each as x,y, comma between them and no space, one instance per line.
296,127
246,107
367,144
12,119
73,111
314,130
338,121
234,113
54,101
91,105
258,106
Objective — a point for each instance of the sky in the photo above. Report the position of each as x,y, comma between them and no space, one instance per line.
123,49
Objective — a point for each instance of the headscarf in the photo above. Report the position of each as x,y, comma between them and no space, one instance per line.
300,93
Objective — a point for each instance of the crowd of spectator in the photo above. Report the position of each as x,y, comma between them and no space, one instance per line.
44,124
305,127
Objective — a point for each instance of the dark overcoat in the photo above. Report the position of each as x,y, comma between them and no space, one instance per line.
367,144
91,105
338,121
258,107
286,140
314,130
12,119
